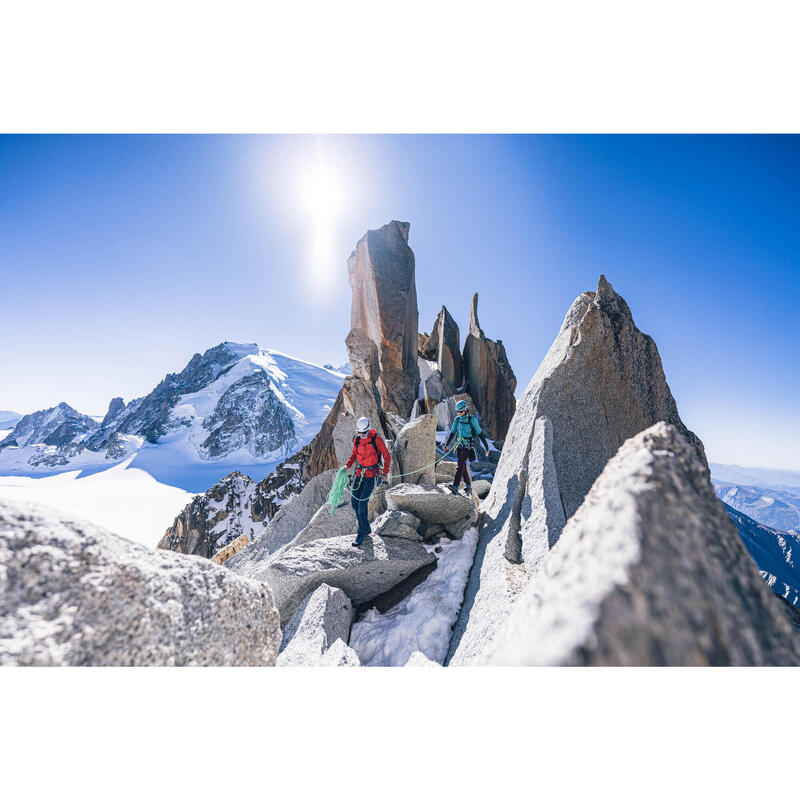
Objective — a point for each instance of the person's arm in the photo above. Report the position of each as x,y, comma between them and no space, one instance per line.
452,434
476,426
387,459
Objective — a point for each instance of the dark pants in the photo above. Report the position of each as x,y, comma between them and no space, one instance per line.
462,471
362,489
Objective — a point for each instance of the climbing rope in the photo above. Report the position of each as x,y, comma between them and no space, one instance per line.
336,494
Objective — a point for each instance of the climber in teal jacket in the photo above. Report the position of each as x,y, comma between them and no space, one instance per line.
465,429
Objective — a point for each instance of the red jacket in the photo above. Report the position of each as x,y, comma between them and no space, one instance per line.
365,454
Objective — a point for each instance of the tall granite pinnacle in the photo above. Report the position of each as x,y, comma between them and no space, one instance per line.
381,273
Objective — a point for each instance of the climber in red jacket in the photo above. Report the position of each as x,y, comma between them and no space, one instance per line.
369,450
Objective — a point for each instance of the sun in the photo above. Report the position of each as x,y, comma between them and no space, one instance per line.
322,193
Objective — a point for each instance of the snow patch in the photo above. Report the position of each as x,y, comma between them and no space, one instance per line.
424,620
123,500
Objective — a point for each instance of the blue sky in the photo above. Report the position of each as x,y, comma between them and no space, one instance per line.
122,256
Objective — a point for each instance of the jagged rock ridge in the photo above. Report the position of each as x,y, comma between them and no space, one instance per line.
213,520
491,382
649,571
600,383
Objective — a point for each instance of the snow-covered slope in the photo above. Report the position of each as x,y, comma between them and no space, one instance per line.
236,406
126,501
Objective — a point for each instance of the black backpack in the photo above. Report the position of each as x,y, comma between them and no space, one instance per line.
375,446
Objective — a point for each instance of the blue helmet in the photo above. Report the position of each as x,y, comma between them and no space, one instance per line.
461,405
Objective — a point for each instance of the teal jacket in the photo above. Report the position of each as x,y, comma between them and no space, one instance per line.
466,428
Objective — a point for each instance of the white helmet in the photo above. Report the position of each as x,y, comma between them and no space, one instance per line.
362,426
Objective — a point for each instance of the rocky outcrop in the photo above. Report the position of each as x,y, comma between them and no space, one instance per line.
115,408
76,595
363,353
491,382
323,618
432,505
414,452
55,427
215,519
325,525
362,573
290,518
285,483
444,347
662,574
399,524
230,550
381,273
446,471
481,488
339,655
600,383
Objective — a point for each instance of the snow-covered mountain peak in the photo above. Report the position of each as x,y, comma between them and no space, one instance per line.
237,404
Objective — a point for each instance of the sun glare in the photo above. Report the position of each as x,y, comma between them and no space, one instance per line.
323,200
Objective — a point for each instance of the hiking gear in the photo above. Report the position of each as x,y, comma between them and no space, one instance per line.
362,426
452,488
462,470
461,405
362,489
368,453
355,543
334,498
465,429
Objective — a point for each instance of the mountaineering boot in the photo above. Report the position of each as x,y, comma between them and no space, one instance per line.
468,489
359,539
453,488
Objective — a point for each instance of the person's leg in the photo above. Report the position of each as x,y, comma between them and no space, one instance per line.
467,476
461,469
362,511
354,492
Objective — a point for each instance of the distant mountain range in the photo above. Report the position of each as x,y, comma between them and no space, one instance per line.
755,476
234,406
8,419
777,554
747,489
